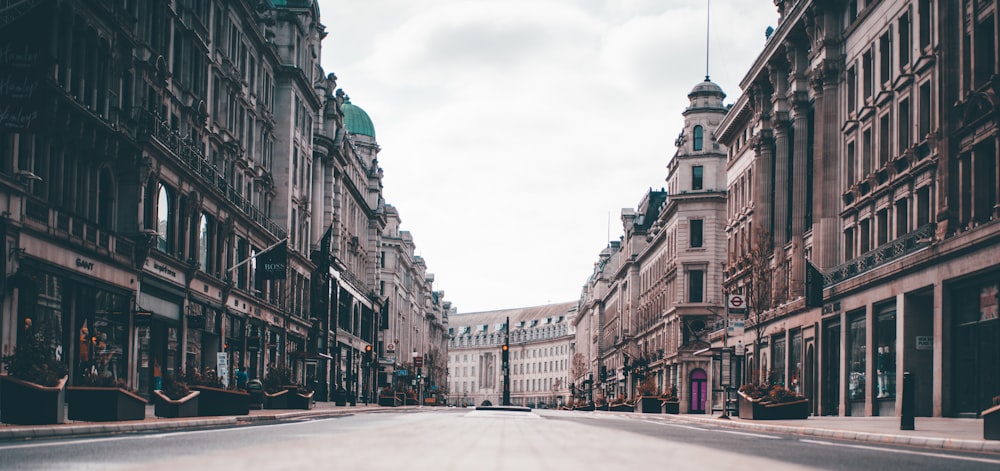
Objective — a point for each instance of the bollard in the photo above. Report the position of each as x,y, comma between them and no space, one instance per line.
908,402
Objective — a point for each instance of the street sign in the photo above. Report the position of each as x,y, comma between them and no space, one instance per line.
741,350
402,373
390,347
736,326
736,304
418,362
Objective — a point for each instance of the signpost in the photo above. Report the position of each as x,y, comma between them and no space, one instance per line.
222,362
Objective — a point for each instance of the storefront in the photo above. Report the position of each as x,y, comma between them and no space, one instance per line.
976,345
158,335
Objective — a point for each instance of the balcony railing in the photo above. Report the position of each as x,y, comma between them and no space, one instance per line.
194,159
886,253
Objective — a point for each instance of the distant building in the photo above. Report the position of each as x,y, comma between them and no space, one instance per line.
540,351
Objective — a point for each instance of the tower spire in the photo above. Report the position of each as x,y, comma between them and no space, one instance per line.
708,24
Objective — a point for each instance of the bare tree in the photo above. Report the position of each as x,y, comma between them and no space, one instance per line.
759,289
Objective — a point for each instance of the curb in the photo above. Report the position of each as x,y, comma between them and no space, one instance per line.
986,446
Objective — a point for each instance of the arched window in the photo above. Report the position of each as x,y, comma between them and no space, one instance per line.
163,218
698,137
204,240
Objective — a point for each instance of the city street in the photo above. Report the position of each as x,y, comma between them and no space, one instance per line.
466,439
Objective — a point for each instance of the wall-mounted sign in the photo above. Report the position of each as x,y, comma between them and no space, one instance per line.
925,342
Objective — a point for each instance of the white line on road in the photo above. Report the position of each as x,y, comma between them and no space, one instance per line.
905,452
749,434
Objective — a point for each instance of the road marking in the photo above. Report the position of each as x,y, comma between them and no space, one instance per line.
905,452
749,434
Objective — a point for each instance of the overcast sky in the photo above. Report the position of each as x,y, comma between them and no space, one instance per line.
514,132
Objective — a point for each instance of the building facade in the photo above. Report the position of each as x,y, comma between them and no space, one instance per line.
540,340
864,153
161,152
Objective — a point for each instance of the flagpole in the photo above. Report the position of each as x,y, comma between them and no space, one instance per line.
258,254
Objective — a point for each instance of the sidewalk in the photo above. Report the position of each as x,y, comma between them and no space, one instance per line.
152,423
930,432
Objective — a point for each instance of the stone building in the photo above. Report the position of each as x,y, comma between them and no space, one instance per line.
540,340
415,317
164,152
865,153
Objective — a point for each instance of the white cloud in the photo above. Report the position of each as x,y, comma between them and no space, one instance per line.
512,130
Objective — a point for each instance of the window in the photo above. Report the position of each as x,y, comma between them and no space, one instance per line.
698,137
923,206
904,40
924,11
883,140
867,76
865,235
849,243
903,124
856,357
925,111
885,355
696,232
866,153
697,177
204,241
902,218
852,89
696,286
852,165
885,57
882,229
163,219
777,376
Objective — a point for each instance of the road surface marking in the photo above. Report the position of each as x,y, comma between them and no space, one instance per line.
905,452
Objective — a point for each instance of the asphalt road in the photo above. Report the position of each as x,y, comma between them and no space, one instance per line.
460,439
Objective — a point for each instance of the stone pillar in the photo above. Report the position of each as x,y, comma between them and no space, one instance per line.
778,75
827,177
763,170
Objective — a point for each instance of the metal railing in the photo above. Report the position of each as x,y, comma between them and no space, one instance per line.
193,158
907,244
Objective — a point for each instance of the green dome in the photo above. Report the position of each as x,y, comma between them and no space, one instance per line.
356,120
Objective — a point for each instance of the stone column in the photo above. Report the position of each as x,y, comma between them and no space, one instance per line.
763,170
778,75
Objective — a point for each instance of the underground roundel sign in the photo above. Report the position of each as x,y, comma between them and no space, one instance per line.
737,303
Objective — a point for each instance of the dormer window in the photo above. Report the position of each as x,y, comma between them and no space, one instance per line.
698,137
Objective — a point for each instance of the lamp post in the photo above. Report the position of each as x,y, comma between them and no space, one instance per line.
418,363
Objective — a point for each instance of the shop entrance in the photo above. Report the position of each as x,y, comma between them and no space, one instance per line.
699,391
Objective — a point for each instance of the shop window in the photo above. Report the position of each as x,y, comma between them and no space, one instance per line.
856,357
885,356
795,363
777,374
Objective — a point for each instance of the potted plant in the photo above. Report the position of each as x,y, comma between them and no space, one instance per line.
103,398
671,403
648,402
388,398
215,399
275,392
761,402
621,404
176,399
34,388
991,421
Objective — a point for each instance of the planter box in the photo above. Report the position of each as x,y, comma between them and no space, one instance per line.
390,400
991,423
649,405
27,403
217,401
671,407
298,400
584,407
622,408
102,404
186,406
278,400
755,410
